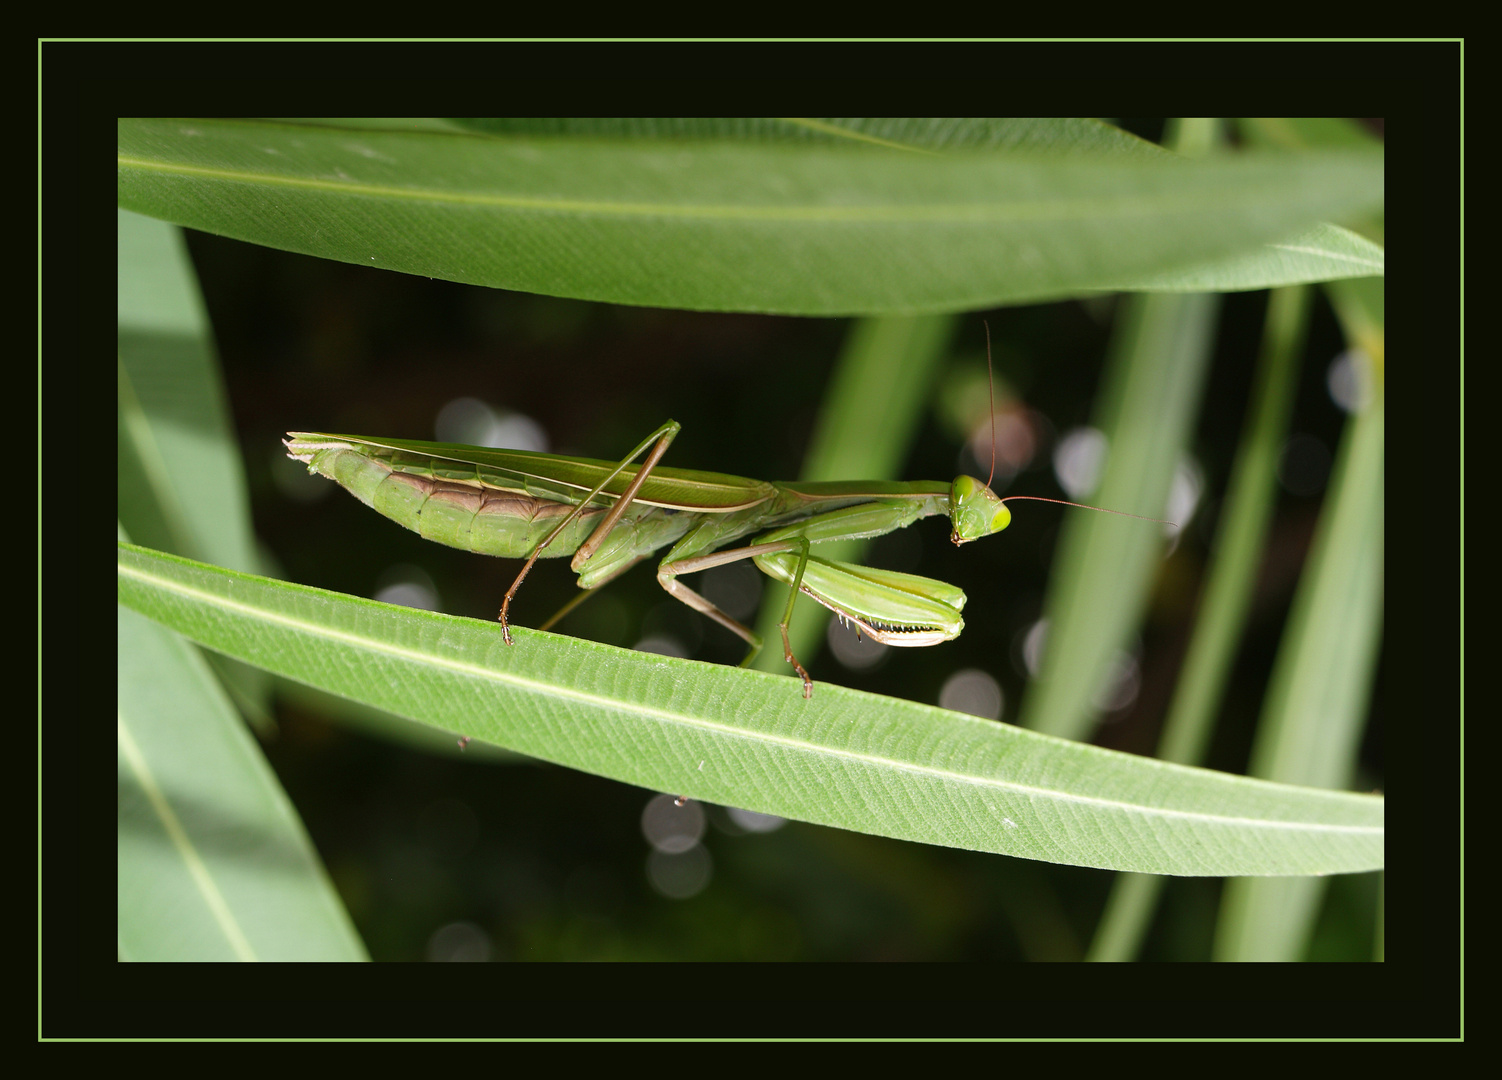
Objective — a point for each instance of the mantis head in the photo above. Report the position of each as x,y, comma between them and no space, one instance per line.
975,510
978,511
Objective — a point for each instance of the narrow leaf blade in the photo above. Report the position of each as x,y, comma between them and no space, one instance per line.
727,224
847,759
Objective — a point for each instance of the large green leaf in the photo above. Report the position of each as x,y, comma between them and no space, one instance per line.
213,862
1318,254
177,448
180,481
798,227
744,738
1050,134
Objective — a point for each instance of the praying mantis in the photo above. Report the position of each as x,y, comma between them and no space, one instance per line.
611,515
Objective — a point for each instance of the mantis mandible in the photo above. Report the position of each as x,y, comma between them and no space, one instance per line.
611,515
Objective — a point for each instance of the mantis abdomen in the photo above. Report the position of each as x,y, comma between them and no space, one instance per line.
474,515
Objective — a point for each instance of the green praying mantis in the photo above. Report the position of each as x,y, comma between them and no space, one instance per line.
611,515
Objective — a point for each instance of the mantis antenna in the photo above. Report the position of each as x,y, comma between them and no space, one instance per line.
991,397
990,401
1087,506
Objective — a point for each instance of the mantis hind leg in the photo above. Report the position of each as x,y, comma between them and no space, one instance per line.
662,438
667,576
682,592
585,594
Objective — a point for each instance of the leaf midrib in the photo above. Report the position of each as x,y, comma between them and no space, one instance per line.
1121,207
